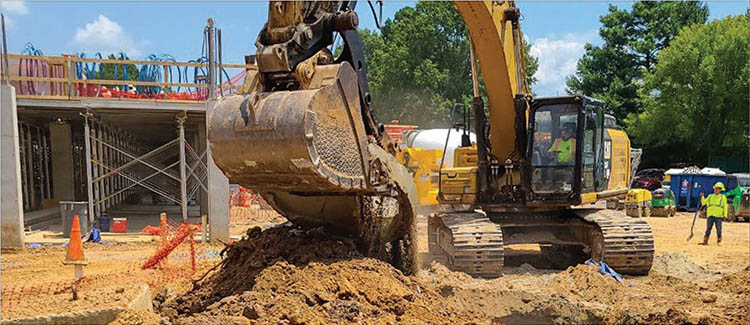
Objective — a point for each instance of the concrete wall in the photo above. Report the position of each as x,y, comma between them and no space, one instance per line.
218,194
61,145
10,196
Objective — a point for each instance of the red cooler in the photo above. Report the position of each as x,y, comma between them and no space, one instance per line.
120,225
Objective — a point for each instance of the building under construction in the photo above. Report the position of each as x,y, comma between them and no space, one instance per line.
119,147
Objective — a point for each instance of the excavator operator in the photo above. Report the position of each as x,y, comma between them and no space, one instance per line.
564,148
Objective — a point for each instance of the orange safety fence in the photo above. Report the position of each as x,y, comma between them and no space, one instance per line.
184,262
11,295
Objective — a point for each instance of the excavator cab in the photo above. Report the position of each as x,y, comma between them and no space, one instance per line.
565,137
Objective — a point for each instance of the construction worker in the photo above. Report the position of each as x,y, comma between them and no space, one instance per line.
565,146
716,211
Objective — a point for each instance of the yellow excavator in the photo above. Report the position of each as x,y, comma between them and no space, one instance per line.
303,132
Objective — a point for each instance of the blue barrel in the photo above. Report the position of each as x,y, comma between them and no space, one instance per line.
104,223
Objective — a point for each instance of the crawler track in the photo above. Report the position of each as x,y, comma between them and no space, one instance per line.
468,242
626,244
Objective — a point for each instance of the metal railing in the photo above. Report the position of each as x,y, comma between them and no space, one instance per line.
65,78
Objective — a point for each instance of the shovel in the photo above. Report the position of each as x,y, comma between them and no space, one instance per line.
700,205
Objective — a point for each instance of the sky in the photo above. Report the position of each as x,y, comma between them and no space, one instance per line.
557,31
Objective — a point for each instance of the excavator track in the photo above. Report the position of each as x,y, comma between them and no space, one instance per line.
472,243
626,244
468,242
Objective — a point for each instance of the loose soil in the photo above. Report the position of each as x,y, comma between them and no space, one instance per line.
96,298
285,275
292,276
136,317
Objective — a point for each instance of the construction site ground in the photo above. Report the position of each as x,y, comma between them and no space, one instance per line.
290,276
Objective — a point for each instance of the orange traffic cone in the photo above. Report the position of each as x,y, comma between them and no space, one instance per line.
74,255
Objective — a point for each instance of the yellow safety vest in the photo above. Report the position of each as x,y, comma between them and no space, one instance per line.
565,151
716,205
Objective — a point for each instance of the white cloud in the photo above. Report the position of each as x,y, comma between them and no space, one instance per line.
105,36
558,56
14,7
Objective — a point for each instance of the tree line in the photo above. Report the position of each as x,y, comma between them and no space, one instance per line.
418,65
677,83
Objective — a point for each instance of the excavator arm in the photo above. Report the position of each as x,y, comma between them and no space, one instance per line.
496,38
302,132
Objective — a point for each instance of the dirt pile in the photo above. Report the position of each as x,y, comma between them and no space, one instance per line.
585,282
677,265
288,275
737,285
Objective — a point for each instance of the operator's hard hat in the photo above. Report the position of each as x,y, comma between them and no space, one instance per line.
720,185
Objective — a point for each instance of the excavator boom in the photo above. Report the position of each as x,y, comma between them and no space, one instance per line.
496,36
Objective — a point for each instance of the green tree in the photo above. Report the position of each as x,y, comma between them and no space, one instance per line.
632,41
112,71
418,65
696,97
531,64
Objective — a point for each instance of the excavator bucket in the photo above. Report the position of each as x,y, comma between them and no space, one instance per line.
309,142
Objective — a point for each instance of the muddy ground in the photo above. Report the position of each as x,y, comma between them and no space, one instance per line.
288,276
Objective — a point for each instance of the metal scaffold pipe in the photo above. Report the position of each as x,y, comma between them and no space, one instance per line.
211,58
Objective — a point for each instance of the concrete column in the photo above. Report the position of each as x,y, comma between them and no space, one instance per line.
218,194
61,144
11,207
201,142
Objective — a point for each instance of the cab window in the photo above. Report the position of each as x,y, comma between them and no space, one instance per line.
554,148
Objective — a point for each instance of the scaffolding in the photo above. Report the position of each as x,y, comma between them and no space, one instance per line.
120,166
35,157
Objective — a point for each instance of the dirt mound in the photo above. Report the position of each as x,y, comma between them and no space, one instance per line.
677,265
287,275
737,283
586,282
245,259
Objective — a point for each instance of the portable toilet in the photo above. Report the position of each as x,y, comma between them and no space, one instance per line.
687,187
